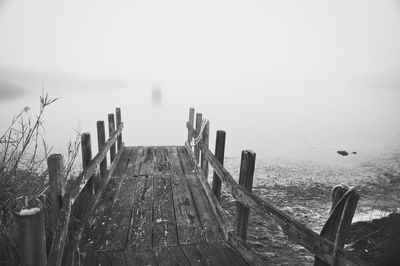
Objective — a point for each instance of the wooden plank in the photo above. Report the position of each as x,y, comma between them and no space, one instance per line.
187,221
195,257
164,223
111,259
142,258
212,217
171,256
116,233
147,160
98,221
161,161
294,229
221,254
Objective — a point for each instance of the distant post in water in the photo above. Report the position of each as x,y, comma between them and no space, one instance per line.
198,128
191,121
32,238
219,155
111,129
87,158
246,180
205,138
55,166
101,140
118,117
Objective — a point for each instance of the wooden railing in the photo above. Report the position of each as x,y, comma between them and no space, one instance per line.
78,197
327,247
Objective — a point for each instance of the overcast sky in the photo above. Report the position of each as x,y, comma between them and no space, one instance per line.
310,41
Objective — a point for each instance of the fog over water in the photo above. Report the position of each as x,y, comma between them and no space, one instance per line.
288,79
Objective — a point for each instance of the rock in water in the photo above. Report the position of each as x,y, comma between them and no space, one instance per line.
343,153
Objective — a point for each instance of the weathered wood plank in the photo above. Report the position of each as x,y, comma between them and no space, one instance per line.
147,161
217,225
97,222
164,223
294,229
195,257
140,231
221,254
244,250
141,258
161,161
116,234
171,256
111,259
187,221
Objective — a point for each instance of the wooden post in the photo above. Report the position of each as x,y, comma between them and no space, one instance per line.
32,238
205,138
55,166
111,129
344,204
87,158
118,117
198,127
191,121
101,140
246,180
219,155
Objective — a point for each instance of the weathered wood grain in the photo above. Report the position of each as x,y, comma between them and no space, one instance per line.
111,259
294,229
195,257
164,223
187,221
171,256
141,258
55,167
244,250
116,233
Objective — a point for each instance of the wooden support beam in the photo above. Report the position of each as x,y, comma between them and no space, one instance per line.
55,166
32,238
86,147
295,230
111,129
118,118
219,155
246,180
205,138
198,128
101,140
191,121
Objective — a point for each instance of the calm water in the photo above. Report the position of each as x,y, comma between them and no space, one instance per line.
275,122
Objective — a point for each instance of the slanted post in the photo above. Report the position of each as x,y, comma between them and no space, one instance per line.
118,117
198,128
101,140
111,129
205,138
32,238
55,166
246,180
219,155
87,158
191,121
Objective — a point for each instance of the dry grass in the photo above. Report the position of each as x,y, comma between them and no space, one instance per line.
23,173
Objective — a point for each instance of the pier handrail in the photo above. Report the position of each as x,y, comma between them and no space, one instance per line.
316,244
75,187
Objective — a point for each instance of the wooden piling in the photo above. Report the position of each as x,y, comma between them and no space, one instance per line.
191,121
219,155
101,140
55,166
198,128
246,180
86,159
205,139
118,118
111,129
32,238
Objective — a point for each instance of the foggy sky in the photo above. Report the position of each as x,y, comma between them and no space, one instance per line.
311,41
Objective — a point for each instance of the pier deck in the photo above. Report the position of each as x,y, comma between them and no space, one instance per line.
155,211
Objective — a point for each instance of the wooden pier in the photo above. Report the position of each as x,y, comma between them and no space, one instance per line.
155,206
